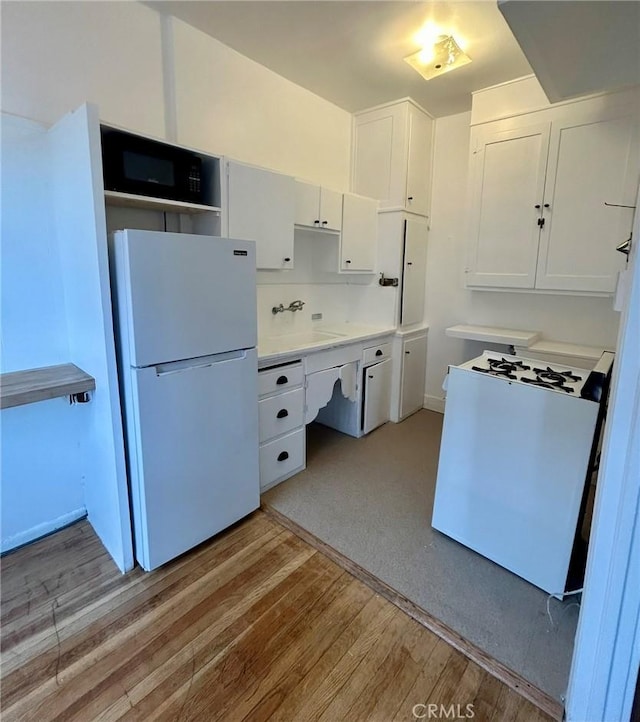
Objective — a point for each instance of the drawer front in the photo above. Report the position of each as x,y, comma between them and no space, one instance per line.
376,353
281,457
323,360
281,413
280,379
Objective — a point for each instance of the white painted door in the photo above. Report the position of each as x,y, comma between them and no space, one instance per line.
593,159
414,361
413,272
419,162
330,209
359,234
261,208
377,390
507,184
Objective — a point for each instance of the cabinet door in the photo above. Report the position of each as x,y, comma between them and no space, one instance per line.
413,272
261,208
330,209
419,162
307,204
593,159
507,183
359,234
377,389
414,359
380,155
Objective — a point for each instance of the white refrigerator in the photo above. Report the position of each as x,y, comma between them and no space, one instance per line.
186,331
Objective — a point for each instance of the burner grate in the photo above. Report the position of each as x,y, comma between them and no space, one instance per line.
538,381
495,371
548,374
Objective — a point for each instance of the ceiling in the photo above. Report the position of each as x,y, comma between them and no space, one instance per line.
351,53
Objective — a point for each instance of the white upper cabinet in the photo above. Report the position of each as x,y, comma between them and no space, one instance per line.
392,156
261,208
507,186
318,207
538,187
359,238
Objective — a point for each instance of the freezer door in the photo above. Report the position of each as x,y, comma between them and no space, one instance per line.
193,438
182,296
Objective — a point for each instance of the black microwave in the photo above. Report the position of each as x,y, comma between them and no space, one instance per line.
145,167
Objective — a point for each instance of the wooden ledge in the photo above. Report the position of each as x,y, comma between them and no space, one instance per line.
27,387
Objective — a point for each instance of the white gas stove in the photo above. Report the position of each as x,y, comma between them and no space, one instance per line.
518,447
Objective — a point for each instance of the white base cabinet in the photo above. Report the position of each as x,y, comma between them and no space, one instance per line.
377,395
410,356
281,423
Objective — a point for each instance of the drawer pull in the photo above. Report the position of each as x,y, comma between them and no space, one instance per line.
379,352
283,413
283,456
282,380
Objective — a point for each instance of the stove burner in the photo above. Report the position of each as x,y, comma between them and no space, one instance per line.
545,384
556,377
506,366
495,371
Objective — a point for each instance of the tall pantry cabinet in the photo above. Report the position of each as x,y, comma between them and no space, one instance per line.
392,162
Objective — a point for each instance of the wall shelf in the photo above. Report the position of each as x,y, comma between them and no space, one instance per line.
26,387
490,334
130,200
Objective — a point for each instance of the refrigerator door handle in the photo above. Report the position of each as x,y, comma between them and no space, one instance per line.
174,367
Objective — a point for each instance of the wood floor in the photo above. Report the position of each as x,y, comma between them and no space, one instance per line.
255,625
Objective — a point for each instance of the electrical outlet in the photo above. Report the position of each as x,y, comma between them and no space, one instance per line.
316,317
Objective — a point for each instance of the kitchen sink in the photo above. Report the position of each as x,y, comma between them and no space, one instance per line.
291,341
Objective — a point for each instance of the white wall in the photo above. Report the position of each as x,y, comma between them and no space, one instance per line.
58,55
574,319
231,105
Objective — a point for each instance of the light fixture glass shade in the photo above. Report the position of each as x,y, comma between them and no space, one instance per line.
443,57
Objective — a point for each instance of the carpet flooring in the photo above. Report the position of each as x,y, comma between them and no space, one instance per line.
371,499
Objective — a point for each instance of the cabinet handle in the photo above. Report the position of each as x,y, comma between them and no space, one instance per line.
286,260
282,414
541,222
379,352
283,456
282,380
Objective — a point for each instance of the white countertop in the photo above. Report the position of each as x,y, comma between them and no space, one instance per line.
280,348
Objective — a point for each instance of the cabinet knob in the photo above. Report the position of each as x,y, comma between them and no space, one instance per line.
282,414
282,380
409,263
407,352
537,206
324,223
546,205
370,377
347,261
283,456
410,198
286,260
316,223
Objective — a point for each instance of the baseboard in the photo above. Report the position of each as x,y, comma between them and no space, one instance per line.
510,678
434,403
37,532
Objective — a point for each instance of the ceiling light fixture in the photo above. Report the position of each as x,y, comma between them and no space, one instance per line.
445,55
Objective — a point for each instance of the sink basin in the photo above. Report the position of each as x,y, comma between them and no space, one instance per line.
291,341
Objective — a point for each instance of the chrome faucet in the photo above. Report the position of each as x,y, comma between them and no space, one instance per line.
293,306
